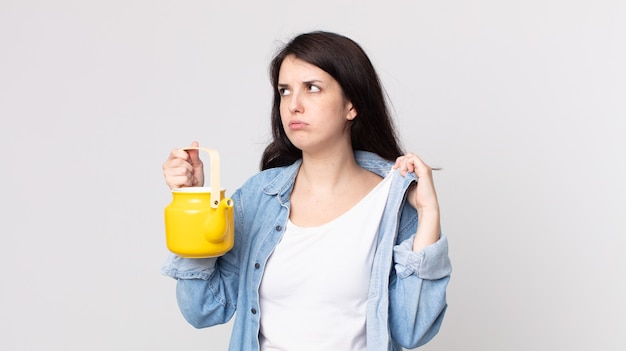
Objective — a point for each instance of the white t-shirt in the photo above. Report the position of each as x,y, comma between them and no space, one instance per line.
313,295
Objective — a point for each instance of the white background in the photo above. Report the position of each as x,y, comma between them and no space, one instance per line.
521,102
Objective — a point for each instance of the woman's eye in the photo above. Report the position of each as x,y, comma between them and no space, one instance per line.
314,88
283,91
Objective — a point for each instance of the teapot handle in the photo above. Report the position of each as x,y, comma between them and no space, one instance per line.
215,173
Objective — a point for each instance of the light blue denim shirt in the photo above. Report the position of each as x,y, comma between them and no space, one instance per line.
407,290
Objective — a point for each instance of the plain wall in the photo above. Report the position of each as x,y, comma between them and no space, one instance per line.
521,102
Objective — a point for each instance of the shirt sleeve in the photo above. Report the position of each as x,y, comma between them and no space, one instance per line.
188,268
417,292
430,263
206,292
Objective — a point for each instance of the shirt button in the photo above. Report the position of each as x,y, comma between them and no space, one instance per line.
257,266
253,311
279,228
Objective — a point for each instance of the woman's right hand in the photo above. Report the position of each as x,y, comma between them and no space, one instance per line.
184,168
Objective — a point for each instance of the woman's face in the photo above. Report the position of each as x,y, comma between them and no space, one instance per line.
313,109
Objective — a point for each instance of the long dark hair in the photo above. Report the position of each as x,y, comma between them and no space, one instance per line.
342,58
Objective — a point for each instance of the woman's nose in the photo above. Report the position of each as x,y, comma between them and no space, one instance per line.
295,103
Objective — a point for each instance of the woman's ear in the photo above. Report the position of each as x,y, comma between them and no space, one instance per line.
351,112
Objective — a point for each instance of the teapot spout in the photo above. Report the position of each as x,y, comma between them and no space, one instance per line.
218,224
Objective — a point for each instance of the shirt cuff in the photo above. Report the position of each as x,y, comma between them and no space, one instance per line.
430,263
188,268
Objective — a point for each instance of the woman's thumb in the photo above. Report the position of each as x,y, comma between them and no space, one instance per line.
194,155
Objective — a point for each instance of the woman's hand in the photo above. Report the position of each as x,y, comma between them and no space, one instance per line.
184,168
423,198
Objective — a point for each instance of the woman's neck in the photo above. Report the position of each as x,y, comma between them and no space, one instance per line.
327,187
329,170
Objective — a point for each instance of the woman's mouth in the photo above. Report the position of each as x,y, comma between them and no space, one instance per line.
297,125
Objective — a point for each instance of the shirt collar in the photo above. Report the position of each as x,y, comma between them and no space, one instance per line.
282,183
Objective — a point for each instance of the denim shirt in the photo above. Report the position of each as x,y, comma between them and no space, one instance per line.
407,290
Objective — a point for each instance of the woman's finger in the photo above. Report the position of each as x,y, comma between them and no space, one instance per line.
178,171
409,163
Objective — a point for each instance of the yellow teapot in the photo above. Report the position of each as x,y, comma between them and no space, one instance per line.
199,222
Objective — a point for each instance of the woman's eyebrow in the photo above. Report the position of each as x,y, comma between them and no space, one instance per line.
306,82
312,81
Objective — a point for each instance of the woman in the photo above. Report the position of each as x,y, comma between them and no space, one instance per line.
328,254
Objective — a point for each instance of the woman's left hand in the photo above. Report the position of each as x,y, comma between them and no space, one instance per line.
422,197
